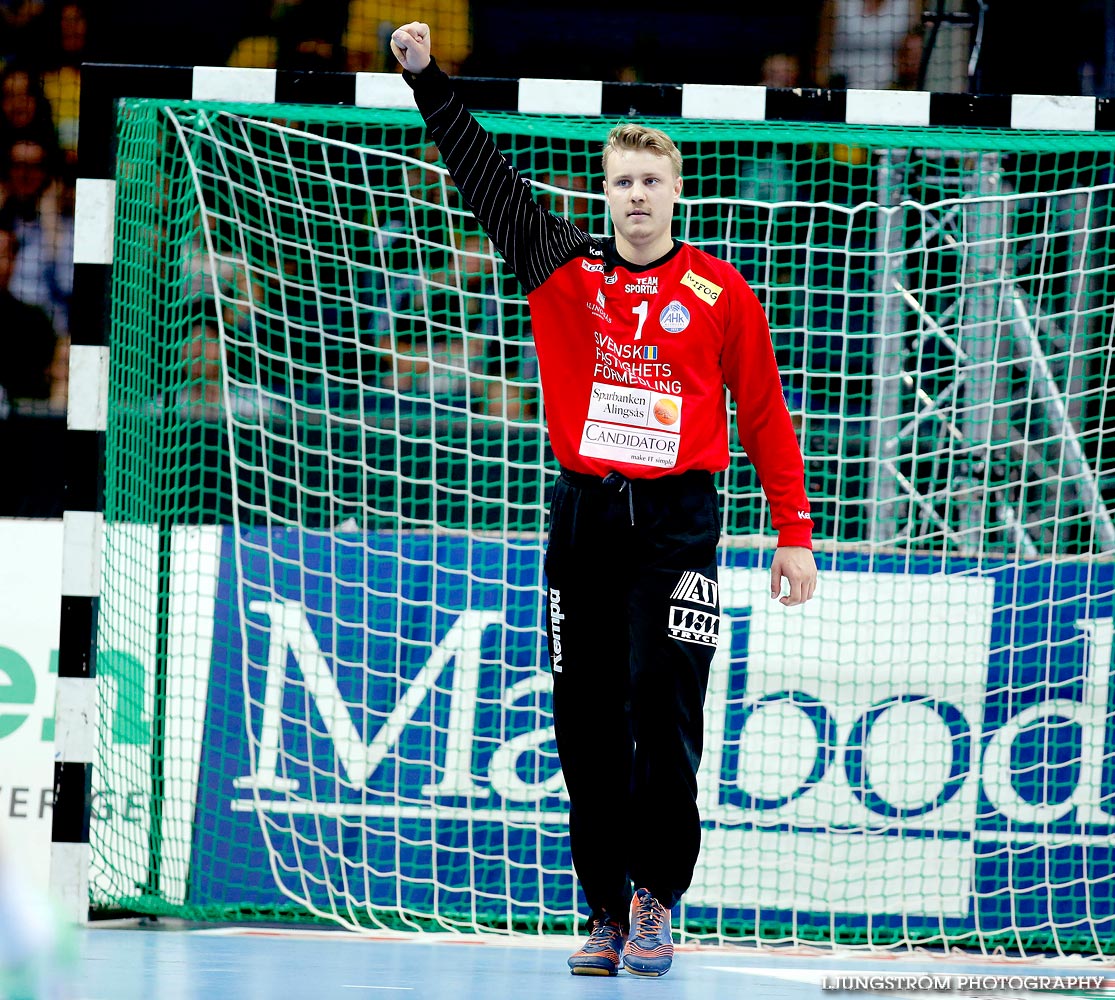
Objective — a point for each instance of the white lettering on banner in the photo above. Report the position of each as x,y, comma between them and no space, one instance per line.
854,788
1090,714
880,731
864,772
290,630
291,633
556,618
503,771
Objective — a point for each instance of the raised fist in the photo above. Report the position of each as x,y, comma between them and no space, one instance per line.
411,45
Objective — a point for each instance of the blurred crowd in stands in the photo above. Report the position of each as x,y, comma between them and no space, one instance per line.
43,47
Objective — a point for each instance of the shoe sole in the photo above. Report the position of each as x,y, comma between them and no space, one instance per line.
591,970
648,975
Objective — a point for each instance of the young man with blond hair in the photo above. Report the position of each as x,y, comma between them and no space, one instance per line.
637,337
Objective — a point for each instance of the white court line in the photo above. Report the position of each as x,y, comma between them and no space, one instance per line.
350,986
812,976
898,959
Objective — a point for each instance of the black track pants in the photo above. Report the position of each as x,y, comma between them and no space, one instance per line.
633,619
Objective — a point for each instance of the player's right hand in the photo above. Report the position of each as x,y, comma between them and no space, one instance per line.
411,45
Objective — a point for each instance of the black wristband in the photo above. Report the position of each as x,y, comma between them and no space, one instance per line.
427,78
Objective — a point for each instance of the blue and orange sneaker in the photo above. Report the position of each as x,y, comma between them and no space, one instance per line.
650,948
600,954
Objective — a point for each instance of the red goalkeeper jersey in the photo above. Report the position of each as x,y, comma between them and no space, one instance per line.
633,358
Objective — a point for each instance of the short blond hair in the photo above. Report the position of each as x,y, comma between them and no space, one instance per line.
631,136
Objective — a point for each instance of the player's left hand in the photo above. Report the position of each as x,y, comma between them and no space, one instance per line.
796,565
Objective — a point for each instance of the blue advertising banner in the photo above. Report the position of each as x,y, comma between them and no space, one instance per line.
927,748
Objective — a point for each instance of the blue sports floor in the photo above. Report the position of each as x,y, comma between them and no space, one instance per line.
128,962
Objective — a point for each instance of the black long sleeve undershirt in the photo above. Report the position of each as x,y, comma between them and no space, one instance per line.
533,241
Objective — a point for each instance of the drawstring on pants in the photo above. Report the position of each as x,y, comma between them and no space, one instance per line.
621,483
